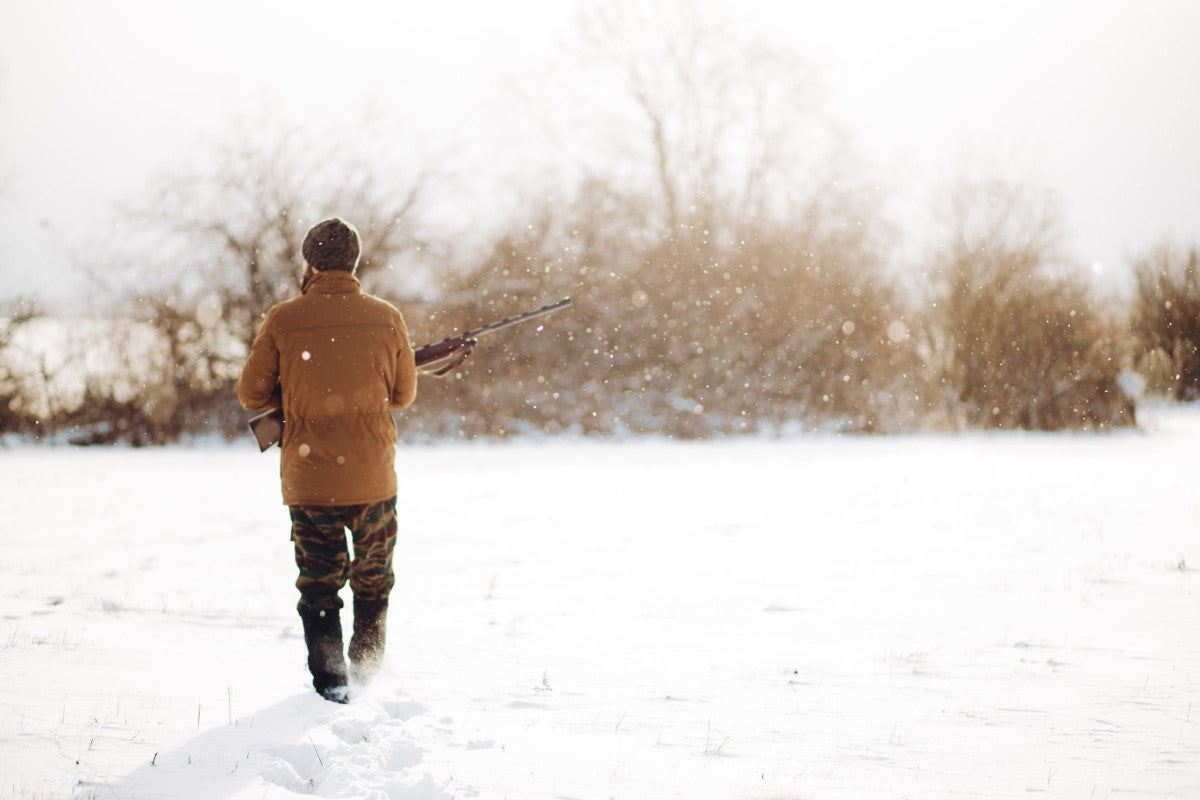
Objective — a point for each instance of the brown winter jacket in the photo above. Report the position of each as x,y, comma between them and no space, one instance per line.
342,359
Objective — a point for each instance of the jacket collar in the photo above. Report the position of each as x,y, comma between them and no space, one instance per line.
333,281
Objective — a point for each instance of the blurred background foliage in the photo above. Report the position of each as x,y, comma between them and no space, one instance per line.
729,270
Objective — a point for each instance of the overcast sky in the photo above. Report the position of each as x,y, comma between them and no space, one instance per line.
1098,101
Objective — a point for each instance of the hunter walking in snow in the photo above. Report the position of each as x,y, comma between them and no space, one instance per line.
338,360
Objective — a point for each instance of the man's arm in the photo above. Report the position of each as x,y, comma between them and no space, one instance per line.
257,387
404,392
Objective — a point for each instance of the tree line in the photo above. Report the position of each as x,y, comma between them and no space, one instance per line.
689,331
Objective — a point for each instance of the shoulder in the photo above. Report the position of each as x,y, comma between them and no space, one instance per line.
384,309
284,307
271,317
379,303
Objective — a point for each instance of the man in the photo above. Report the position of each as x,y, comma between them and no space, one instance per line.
340,360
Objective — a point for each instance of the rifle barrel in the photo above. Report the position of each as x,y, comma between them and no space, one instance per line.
505,323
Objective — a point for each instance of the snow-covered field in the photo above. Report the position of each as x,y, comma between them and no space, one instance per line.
924,617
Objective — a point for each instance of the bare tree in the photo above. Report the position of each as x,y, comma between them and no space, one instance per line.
215,247
722,282
1015,336
235,228
716,122
14,390
1165,319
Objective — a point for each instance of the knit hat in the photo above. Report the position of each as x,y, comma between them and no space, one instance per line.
332,244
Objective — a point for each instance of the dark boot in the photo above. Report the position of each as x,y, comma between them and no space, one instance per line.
370,635
323,635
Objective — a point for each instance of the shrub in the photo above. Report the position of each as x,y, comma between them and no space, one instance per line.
1165,320
1017,340
683,333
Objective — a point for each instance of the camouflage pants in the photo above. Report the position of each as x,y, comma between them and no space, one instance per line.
319,534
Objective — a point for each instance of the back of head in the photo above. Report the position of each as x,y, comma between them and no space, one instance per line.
332,244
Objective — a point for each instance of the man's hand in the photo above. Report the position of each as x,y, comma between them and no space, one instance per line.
457,359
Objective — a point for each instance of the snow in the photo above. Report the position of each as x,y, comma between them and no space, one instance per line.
980,616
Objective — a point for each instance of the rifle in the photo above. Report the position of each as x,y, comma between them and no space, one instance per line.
438,359
435,359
